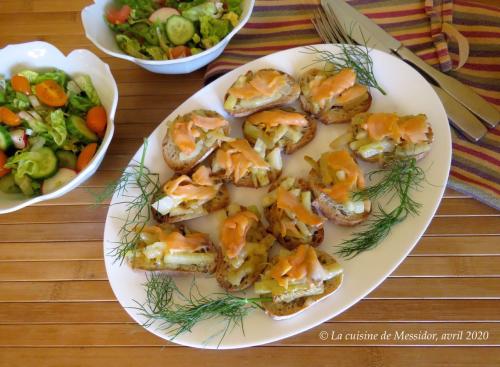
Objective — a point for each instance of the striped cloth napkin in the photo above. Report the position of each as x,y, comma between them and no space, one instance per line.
433,29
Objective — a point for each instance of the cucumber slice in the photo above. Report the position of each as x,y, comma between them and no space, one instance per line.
46,164
78,128
179,29
5,139
66,158
8,184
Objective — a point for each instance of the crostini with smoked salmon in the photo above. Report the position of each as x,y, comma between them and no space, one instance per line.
334,179
292,218
189,196
260,90
238,162
376,136
244,247
173,248
333,96
280,127
191,138
295,280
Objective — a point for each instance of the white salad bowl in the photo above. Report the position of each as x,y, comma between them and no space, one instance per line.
103,37
44,56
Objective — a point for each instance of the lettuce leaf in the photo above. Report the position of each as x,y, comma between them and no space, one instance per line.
24,163
213,30
129,45
196,12
57,129
234,6
85,84
140,8
58,76
79,104
20,102
29,74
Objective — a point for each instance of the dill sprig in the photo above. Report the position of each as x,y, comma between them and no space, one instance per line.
136,177
349,56
400,176
178,318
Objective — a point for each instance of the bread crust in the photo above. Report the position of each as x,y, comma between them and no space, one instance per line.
223,267
171,152
282,310
220,201
292,96
272,214
308,134
327,207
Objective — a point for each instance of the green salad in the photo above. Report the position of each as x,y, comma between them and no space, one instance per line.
171,29
50,128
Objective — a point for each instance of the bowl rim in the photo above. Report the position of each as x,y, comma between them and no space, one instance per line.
136,60
86,173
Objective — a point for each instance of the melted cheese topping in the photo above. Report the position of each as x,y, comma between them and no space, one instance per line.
200,187
234,231
186,129
333,85
276,117
237,157
263,83
287,201
301,263
342,161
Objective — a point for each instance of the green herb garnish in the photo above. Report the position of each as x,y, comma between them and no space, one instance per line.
400,176
134,177
355,57
178,318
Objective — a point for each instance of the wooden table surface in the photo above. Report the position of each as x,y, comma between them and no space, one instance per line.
57,308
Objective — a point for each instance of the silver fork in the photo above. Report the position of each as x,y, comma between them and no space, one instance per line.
331,30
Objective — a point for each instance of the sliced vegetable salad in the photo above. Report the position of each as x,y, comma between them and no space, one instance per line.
171,29
50,128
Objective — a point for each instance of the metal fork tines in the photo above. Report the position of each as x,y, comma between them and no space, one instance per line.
331,30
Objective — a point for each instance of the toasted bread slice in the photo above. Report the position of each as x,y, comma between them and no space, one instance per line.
249,179
308,133
273,215
174,157
237,107
391,149
325,204
286,310
256,234
330,209
137,259
333,111
220,201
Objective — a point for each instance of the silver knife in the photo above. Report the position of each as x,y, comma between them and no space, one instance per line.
363,30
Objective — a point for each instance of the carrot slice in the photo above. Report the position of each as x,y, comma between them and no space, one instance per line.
51,93
21,84
85,156
97,120
3,160
8,117
179,52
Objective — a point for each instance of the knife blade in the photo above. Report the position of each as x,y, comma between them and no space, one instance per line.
364,31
